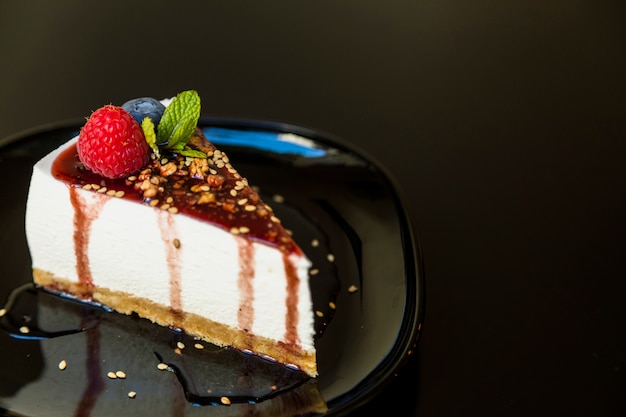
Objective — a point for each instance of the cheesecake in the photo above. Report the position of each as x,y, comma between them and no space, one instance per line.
171,232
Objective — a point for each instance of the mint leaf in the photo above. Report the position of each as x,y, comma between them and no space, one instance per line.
148,130
181,133
192,153
179,120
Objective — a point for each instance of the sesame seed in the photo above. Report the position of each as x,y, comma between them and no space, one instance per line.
315,243
234,230
153,203
95,186
352,288
62,365
112,375
275,219
3,312
180,345
314,271
173,210
169,200
162,366
102,190
132,178
319,313
165,206
176,243
330,257
178,351
242,201
132,394
225,400
233,193
119,194
278,198
110,193
120,374
198,346
250,207
87,187
332,305
24,329
244,229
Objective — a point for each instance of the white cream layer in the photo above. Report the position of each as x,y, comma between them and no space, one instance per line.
127,252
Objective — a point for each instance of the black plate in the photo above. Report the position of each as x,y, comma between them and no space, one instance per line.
332,193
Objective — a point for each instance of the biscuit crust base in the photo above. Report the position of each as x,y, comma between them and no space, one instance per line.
213,332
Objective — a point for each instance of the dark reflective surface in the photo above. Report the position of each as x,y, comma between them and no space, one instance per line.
503,123
343,211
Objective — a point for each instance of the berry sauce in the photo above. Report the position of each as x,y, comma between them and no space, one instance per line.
209,190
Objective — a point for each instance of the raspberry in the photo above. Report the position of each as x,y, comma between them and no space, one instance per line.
112,143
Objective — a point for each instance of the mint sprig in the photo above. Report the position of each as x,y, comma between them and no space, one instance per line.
176,127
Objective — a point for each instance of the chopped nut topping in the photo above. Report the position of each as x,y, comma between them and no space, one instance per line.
206,197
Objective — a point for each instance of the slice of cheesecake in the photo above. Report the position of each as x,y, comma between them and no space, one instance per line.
184,242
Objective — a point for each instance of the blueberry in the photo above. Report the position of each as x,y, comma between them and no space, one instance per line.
143,107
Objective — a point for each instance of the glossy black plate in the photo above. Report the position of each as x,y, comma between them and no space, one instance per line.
343,209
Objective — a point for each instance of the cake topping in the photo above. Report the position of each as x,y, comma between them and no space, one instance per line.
143,107
118,141
112,143
184,172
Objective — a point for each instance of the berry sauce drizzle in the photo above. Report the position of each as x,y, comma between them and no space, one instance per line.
215,193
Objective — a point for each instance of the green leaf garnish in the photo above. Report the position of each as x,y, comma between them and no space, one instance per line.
192,153
179,121
148,130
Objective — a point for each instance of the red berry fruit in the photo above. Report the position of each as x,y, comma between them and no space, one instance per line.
112,143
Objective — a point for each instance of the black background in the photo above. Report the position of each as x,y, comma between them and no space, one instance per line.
504,124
